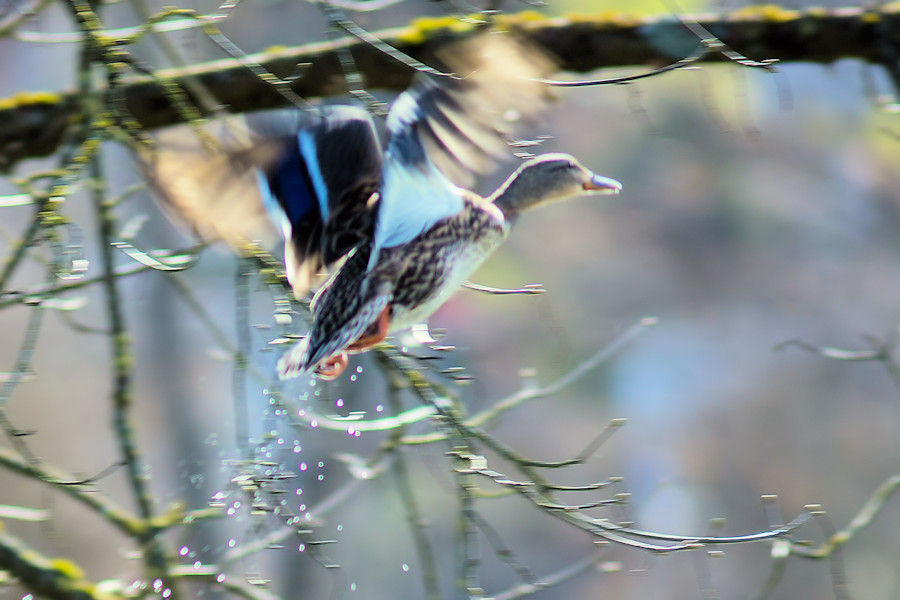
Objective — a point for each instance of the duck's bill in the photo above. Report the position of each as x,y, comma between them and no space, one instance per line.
603,185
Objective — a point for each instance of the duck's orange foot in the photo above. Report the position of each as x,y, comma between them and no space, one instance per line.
374,335
333,367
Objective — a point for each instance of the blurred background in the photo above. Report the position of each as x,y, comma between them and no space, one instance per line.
757,209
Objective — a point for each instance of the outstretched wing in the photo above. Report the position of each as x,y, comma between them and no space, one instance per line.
317,175
209,180
324,190
446,129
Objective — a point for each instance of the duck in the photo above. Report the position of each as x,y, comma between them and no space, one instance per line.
383,289
395,229
419,234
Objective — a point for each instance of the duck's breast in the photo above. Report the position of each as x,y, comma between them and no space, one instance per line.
437,262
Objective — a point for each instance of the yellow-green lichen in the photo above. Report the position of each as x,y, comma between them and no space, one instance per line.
67,568
526,16
615,18
764,12
419,30
20,99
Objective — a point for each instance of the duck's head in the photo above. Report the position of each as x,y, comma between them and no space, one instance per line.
550,178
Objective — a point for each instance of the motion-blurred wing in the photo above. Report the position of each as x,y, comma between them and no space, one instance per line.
323,188
446,129
317,175
209,180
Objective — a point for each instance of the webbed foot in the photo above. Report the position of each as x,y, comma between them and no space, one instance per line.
333,367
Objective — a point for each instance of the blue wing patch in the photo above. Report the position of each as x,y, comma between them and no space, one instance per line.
309,151
288,189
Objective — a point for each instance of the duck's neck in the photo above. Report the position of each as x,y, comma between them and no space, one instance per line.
515,196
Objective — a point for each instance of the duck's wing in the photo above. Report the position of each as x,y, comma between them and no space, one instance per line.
324,190
317,175
207,179
444,130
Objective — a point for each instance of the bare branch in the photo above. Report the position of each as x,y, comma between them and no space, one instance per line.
52,578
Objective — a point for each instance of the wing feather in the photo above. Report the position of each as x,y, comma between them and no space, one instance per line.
445,129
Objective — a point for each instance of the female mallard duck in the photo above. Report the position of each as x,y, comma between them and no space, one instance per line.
384,288
404,233
426,235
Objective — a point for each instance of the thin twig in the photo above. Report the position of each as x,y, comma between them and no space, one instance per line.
561,576
229,582
413,513
21,367
528,289
694,57
34,296
76,489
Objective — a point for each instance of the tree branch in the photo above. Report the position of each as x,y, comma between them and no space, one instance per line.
57,578
34,124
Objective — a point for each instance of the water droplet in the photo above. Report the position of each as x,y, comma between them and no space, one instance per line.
157,585
301,547
321,464
220,577
405,567
321,477
183,550
340,527
303,466
166,593
359,369
231,543
379,408
353,378
352,587
339,403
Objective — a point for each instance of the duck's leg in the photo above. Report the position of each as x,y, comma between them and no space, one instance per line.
333,367
373,335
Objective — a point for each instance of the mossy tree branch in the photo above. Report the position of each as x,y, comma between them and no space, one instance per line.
58,578
34,124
